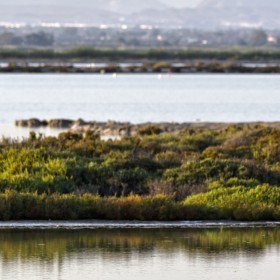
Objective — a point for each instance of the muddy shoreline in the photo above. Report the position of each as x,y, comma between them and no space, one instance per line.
142,68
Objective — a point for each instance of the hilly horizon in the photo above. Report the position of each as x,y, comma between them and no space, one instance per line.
222,4
209,14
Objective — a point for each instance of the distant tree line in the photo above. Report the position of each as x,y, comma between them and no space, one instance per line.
131,38
138,54
39,39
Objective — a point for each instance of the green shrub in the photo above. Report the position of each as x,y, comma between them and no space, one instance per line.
241,203
176,165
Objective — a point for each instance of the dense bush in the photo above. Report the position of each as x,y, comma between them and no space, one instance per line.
238,203
175,165
16,206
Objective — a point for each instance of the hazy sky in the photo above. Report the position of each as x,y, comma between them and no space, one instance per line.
172,3
181,3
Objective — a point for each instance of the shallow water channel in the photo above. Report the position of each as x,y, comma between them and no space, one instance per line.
140,253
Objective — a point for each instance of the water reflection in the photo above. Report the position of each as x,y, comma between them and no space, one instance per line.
52,253
47,245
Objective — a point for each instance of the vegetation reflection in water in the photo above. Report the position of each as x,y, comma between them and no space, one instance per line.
48,246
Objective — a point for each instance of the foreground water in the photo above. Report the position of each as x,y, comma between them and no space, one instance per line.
139,98
205,253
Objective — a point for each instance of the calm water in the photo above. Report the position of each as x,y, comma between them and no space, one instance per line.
138,98
141,98
140,254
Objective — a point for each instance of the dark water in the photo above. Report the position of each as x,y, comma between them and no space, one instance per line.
223,253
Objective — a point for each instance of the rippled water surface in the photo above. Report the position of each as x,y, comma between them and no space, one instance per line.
221,253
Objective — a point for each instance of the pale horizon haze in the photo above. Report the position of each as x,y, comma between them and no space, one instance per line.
181,3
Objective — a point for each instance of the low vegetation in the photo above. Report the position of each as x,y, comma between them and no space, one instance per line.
232,173
152,54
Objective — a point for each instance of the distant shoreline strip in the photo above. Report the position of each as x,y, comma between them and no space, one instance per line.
100,224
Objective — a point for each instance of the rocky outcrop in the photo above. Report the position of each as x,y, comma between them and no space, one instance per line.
60,123
31,123
126,129
54,123
119,129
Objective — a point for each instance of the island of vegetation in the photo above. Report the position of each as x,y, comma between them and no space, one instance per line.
214,173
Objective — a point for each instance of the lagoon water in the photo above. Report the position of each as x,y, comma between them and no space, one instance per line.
156,254
139,98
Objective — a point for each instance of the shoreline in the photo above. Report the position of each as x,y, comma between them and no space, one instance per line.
107,224
160,68
113,128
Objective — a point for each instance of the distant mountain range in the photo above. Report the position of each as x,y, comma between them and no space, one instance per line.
242,13
244,4
209,14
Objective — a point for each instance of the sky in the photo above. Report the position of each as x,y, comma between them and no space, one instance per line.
172,3
181,3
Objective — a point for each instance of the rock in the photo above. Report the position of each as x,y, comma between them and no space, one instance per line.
60,123
21,123
44,123
28,123
111,123
80,122
79,125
